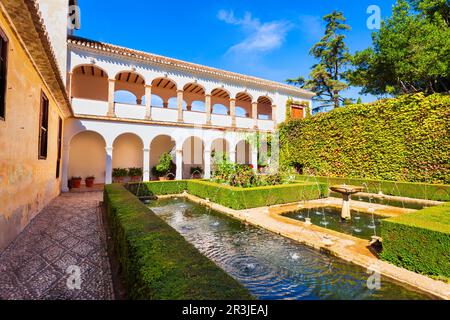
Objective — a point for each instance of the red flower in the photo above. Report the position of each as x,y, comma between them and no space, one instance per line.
251,166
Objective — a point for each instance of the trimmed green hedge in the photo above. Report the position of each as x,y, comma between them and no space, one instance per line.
157,188
419,241
156,261
236,198
401,139
437,192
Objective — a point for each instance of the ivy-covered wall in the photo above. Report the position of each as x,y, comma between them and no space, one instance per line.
401,139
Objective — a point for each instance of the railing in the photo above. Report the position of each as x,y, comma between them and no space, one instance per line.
194,117
129,111
245,123
268,125
164,114
221,120
89,107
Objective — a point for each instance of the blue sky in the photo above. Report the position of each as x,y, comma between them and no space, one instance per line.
268,39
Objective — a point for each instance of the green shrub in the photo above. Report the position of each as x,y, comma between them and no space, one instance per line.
402,139
157,263
234,197
419,241
158,188
437,192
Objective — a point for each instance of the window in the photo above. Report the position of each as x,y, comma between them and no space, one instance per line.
58,161
3,72
43,128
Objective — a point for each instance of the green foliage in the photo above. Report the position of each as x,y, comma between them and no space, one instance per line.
410,53
135,172
164,166
156,261
233,197
437,192
403,139
119,172
157,188
419,241
327,78
196,170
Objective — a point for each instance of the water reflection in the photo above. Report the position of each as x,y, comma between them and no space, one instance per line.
271,266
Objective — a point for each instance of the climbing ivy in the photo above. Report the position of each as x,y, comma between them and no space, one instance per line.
401,139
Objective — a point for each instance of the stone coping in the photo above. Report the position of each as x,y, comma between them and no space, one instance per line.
345,247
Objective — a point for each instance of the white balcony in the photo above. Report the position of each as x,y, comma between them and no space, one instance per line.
268,125
194,117
245,123
129,111
89,107
164,114
221,120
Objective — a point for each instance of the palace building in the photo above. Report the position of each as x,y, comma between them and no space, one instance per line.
75,107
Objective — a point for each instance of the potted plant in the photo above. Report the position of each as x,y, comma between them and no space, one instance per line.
90,181
135,174
119,174
164,167
76,182
196,172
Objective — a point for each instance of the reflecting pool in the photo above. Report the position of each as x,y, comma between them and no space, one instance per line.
270,266
362,225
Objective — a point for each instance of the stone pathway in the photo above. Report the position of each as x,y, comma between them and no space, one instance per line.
67,233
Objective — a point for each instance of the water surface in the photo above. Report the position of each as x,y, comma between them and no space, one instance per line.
270,266
362,225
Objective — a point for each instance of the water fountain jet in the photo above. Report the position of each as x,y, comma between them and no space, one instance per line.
346,192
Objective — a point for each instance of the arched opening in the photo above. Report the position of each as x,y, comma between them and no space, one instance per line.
220,101
264,108
123,96
87,156
193,157
129,84
160,145
243,152
166,90
194,95
128,152
89,82
243,105
220,148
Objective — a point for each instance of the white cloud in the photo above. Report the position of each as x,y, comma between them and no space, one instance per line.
312,26
261,37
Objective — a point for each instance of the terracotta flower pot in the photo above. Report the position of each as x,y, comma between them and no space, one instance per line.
90,182
136,178
76,183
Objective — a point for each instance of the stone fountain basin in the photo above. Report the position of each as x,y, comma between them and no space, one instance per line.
344,189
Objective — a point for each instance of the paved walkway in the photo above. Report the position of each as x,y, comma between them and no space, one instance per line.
67,233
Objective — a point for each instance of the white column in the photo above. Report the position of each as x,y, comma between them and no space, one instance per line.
180,105
255,114
111,89
179,163
274,115
148,102
108,170
208,108
65,169
255,160
207,174
233,156
233,112
146,176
